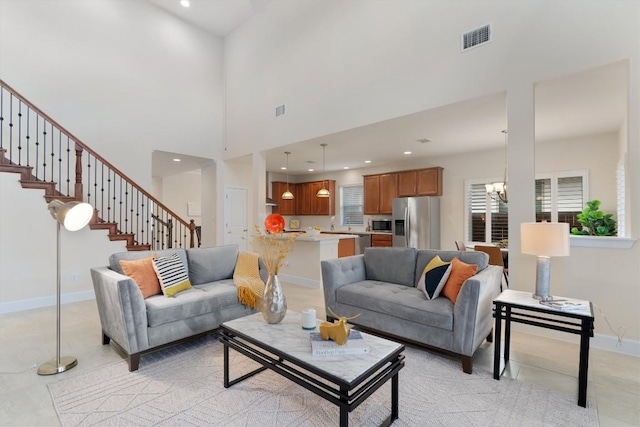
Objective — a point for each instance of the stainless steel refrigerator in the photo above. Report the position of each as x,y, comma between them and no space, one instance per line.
416,222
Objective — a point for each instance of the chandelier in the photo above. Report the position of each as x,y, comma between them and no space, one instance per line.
498,190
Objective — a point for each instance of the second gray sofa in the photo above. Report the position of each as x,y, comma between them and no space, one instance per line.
380,285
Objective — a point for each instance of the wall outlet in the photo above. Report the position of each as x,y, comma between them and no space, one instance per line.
73,277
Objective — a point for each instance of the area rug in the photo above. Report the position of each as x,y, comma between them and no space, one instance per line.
182,386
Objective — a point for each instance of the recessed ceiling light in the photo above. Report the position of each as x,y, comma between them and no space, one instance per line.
345,167
176,160
367,161
185,3
284,168
310,170
407,152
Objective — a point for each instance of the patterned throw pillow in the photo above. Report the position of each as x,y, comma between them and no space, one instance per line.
433,277
172,274
141,270
460,272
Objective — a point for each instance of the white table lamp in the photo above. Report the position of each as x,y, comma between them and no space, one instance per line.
544,239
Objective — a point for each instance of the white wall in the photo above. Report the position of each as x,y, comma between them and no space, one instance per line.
126,78
181,189
28,252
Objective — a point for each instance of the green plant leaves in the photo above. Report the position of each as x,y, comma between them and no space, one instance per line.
595,222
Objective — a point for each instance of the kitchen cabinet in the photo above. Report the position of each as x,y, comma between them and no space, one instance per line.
407,183
429,182
285,207
388,192
420,182
378,240
323,205
305,201
379,192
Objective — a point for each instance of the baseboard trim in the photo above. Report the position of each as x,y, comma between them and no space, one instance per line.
600,341
48,301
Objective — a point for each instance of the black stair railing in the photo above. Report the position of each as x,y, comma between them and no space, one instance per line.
31,138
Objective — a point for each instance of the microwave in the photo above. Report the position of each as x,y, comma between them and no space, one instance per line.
381,225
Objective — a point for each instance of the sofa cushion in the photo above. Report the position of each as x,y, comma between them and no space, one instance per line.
399,301
433,277
470,257
114,259
460,272
201,299
392,265
211,264
142,271
172,274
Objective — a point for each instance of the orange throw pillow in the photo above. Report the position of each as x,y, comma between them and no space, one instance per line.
460,272
141,270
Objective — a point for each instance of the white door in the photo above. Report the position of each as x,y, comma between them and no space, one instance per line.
235,217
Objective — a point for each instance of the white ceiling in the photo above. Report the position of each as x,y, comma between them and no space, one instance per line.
590,102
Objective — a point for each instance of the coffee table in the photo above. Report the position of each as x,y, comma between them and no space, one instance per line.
345,380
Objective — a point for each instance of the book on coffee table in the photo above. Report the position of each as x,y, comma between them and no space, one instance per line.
354,345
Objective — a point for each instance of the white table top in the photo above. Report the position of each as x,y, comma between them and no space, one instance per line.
289,337
510,296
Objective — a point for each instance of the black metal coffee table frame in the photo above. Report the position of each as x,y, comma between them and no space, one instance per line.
346,395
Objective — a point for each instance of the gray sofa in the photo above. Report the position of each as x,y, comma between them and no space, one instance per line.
381,285
139,325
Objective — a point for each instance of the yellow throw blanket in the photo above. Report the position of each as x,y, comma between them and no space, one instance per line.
247,279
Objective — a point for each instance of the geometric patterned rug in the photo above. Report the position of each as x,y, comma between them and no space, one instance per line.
182,386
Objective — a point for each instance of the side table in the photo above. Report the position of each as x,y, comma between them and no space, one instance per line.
521,307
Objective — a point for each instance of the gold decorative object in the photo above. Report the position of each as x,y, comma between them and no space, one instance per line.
339,332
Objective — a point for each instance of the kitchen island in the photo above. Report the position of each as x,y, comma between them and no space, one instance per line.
302,265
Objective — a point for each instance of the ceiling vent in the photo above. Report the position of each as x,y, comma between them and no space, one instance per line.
476,37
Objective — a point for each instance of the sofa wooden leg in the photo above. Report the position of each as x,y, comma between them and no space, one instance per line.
490,336
105,339
467,364
134,362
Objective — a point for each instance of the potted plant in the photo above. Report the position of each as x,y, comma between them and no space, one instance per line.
595,222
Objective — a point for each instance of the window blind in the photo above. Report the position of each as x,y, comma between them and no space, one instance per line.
351,206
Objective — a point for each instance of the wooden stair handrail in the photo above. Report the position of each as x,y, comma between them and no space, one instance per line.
77,141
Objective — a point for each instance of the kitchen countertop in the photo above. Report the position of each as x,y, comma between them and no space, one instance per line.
323,237
356,232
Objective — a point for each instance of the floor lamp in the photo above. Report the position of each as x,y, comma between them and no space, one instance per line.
73,216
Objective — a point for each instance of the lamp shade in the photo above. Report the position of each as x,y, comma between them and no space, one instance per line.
287,195
71,215
544,238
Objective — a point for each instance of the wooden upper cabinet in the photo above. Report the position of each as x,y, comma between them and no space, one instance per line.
323,205
285,207
407,183
429,182
303,200
388,192
371,190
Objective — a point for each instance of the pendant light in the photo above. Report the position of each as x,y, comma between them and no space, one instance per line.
323,192
287,195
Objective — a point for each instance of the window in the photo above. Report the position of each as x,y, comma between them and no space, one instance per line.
560,197
487,219
351,202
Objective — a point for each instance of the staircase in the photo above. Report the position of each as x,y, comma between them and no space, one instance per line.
48,157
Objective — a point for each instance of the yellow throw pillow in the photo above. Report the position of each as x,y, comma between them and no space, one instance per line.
460,272
141,270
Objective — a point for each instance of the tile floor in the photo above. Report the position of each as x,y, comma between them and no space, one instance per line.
27,339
